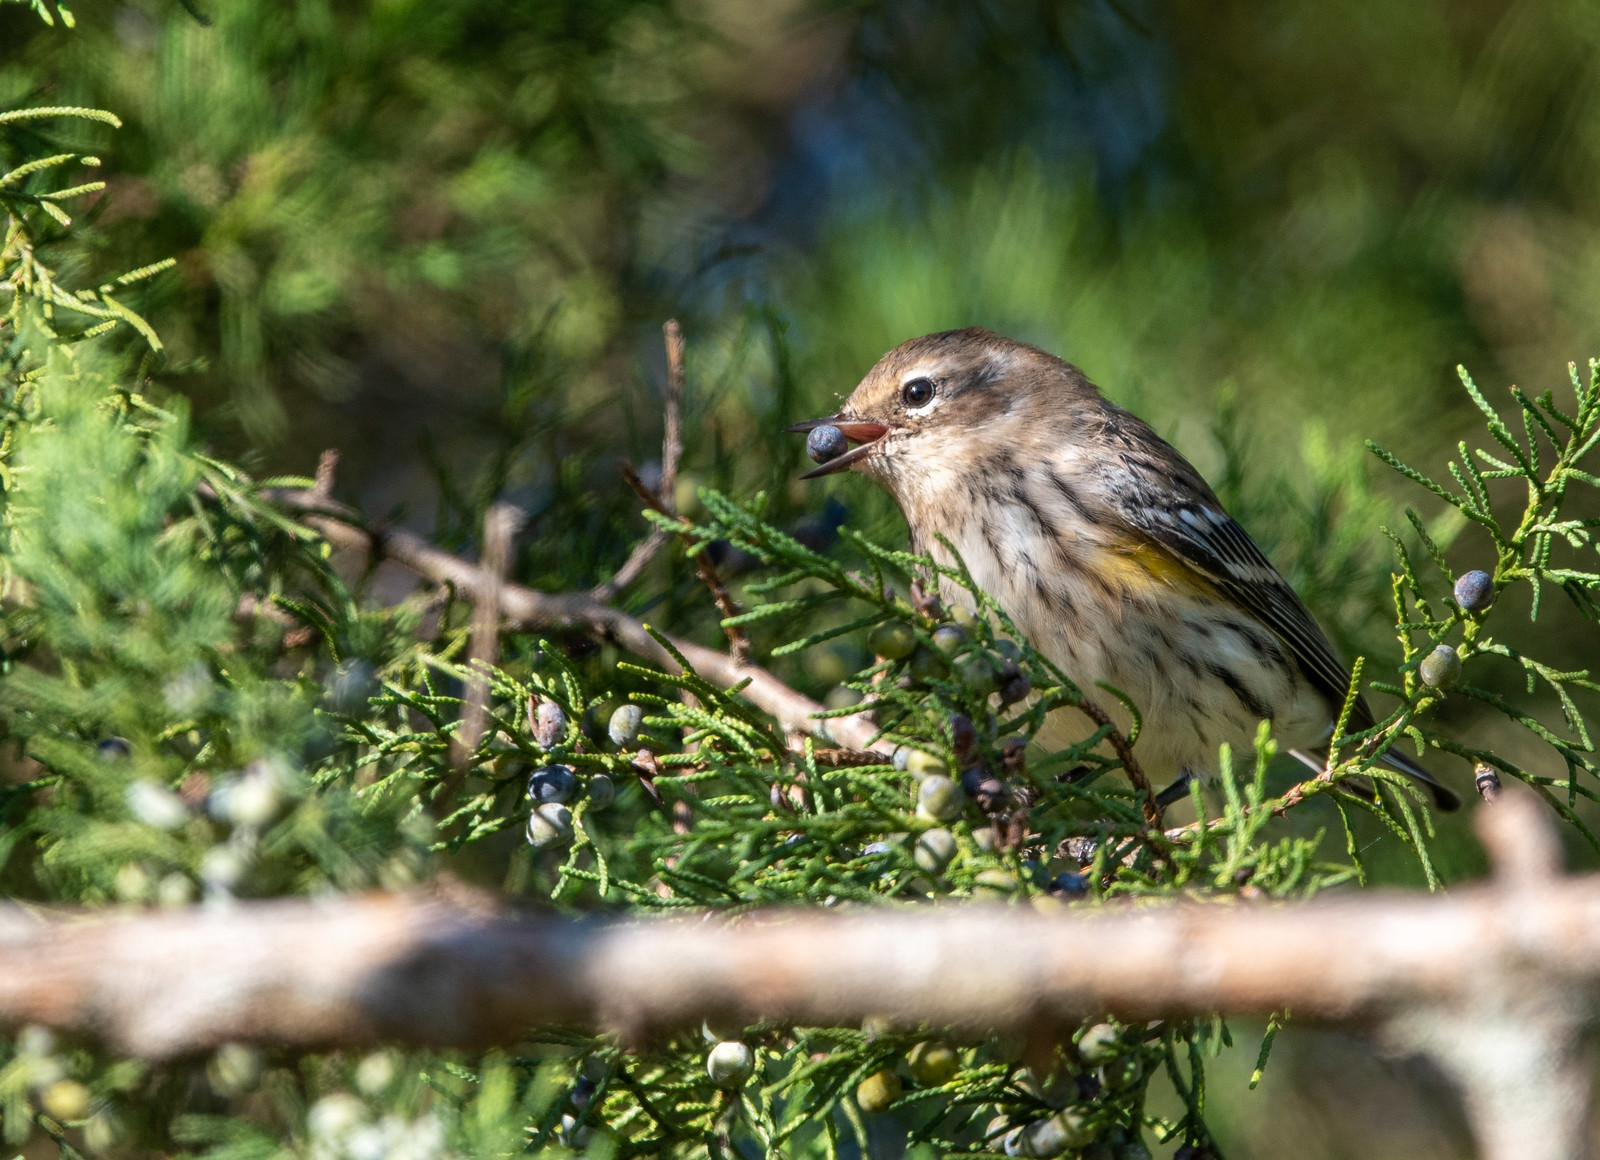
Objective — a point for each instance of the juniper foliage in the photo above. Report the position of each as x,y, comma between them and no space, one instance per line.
199,705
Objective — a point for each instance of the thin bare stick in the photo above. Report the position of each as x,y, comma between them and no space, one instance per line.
500,524
672,437
633,566
1130,764
738,642
671,453
327,472
530,609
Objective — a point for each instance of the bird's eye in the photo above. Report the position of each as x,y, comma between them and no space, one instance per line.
917,392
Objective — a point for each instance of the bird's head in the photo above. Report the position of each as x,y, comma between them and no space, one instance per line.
946,398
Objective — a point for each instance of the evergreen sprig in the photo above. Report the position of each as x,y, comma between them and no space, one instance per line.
1538,547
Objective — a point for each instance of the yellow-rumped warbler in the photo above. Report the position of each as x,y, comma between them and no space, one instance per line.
1102,543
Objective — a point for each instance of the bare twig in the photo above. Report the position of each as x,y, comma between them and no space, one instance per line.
530,609
738,642
671,453
1497,981
672,437
500,526
327,472
1130,764
847,758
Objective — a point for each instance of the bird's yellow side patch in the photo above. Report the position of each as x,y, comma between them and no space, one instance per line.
1141,566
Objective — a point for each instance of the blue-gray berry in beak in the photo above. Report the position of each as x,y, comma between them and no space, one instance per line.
854,430
826,443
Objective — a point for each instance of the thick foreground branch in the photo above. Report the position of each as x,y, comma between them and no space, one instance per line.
437,969
1496,982
419,969
425,970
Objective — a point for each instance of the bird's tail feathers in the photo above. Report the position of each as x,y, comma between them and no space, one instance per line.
1444,798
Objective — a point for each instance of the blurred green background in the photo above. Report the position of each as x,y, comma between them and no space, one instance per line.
442,236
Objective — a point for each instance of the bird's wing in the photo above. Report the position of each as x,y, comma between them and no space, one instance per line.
1208,540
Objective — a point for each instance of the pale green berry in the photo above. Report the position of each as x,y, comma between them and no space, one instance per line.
549,825
686,494
948,638
934,850
996,881
103,1131
602,791
893,640
878,1091
175,890
730,1063
155,805
576,1136
251,800
920,764
939,798
376,1072
623,728
1099,1044
1441,668
66,1100
1061,1133
933,1064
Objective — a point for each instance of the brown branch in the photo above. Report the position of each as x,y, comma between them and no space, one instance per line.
530,609
738,642
671,453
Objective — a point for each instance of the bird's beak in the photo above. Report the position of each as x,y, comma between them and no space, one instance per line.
855,430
